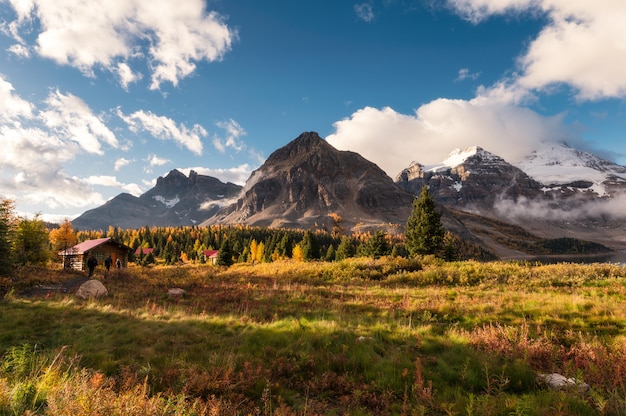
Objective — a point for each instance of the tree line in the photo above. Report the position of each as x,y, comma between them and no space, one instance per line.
32,241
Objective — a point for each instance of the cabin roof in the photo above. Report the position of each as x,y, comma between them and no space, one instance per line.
211,253
88,245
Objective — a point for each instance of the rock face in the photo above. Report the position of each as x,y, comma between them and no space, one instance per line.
92,289
303,183
175,200
470,177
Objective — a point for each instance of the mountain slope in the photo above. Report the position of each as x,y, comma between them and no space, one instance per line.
175,200
580,196
307,180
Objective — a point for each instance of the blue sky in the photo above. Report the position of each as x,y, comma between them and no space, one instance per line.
95,101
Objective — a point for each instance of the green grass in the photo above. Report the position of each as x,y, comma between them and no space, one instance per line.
390,336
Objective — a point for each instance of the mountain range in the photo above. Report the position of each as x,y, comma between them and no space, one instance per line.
510,210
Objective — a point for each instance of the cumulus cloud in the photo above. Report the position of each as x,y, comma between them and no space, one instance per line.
70,117
393,140
172,36
35,143
364,11
165,128
232,139
52,188
581,46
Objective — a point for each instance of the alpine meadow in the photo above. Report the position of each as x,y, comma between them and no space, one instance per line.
285,328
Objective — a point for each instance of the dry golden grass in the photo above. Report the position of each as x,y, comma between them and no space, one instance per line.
387,336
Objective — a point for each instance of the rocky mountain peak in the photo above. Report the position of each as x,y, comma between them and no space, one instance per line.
470,176
305,181
305,144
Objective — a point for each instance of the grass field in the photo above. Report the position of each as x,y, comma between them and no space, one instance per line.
357,337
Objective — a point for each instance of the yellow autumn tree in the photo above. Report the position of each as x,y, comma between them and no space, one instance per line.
253,251
260,252
63,237
297,253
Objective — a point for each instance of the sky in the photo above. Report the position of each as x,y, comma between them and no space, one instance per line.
99,98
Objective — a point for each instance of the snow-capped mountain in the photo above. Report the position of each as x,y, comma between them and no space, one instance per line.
554,192
559,165
469,177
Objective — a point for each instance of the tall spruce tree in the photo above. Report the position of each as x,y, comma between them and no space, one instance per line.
6,236
225,255
424,233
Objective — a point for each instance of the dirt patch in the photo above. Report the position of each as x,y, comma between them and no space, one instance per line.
66,286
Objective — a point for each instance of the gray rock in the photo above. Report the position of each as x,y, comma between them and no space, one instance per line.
559,382
176,291
92,289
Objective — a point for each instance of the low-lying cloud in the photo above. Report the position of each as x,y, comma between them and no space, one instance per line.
578,209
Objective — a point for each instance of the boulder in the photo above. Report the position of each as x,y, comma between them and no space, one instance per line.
558,382
92,289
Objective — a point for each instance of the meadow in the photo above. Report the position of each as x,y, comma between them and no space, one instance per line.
357,337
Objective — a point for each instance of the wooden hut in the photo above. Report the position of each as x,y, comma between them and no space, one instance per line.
76,257
210,256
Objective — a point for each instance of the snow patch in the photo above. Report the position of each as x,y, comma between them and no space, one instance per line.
559,164
169,203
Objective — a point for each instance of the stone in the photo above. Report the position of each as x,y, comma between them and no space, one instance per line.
92,289
555,381
176,291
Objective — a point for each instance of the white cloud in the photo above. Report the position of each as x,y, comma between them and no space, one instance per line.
36,143
111,181
364,11
154,160
19,50
576,210
52,188
464,73
582,45
11,105
237,174
126,75
69,117
393,140
233,132
120,163
171,35
165,128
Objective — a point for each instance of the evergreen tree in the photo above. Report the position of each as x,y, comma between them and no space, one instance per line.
225,255
424,233
310,246
330,253
345,249
377,246
6,231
